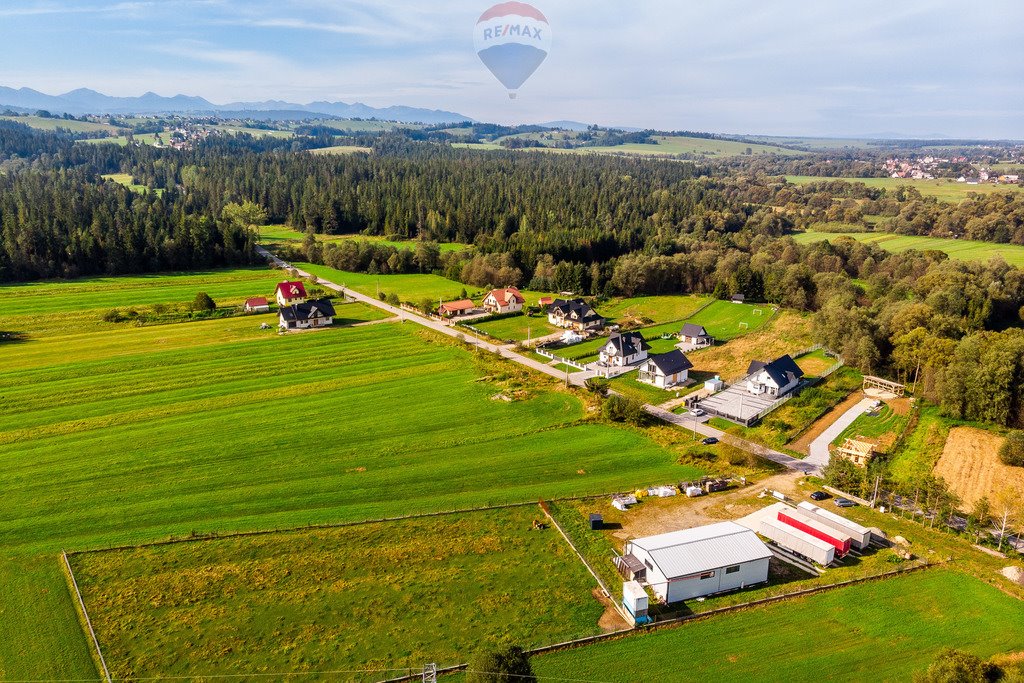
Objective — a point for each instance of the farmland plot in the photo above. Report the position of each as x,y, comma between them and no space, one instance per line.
970,464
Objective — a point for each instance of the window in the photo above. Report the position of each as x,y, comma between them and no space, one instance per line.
732,570
649,565
707,575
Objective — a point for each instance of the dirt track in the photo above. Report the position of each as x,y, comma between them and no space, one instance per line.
803,444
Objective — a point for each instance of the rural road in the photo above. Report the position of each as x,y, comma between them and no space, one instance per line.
819,456
805,466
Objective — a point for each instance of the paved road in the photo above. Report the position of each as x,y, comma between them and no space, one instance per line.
577,379
819,456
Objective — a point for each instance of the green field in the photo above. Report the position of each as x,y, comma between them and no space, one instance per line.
135,434
53,124
668,146
128,181
660,309
879,631
941,188
518,328
51,307
342,149
271,234
381,595
885,425
961,250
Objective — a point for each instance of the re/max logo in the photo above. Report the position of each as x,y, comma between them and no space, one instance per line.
512,30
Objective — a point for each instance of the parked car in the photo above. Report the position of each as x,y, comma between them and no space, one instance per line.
844,503
696,412
710,441
820,495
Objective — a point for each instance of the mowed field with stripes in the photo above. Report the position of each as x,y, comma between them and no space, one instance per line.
114,434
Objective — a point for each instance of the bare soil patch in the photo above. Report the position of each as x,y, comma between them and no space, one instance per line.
803,443
970,464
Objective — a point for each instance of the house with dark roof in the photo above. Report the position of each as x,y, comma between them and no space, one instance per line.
574,314
777,378
508,300
627,348
739,298
289,293
665,370
695,336
307,315
257,304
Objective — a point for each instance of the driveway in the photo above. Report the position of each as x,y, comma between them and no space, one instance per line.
819,456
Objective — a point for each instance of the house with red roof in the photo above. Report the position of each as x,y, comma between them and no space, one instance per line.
257,304
289,293
452,309
507,300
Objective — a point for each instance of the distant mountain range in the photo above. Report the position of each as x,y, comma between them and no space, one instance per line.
85,101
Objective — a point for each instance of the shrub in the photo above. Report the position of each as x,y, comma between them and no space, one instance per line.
597,385
393,299
113,316
954,666
1012,450
203,302
621,409
507,665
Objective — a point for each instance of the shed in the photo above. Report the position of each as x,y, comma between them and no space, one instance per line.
861,535
805,522
702,561
714,385
634,599
596,522
257,304
797,541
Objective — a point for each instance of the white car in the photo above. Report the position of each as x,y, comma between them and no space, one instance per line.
697,412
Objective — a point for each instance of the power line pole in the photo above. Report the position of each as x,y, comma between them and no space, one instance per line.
430,673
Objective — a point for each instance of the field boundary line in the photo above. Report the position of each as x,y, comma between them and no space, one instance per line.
73,585
680,621
214,536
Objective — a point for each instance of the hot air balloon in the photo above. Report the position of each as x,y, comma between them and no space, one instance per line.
512,39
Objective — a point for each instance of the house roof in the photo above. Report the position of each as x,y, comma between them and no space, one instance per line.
670,363
257,301
318,308
292,290
509,295
692,551
739,297
692,330
782,370
463,305
583,311
628,343
546,300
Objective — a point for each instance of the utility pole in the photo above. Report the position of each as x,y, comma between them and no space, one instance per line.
874,497
430,673
916,372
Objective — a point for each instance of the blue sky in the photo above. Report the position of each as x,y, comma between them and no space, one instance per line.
813,67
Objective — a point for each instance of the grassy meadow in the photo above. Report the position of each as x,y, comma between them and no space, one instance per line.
667,146
54,307
518,328
271,234
342,149
50,124
382,595
134,434
961,250
944,189
839,635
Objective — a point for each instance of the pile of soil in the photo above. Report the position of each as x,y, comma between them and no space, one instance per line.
1015,574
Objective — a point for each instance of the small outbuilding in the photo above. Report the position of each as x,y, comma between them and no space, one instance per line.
739,298
454,309
257,304
692,563
695,336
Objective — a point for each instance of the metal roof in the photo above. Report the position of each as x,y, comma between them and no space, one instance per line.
692,551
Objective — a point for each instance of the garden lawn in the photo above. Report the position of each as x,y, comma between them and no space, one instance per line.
383,595
137,434
886,423
960,250
879,631
517,328
660,309
65,306
940,188
411,288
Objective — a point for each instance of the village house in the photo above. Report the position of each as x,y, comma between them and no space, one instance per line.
665,370
257,304
308,314
695,336
739,298
776,378
628,348
507,300
289,293
574,314
452,309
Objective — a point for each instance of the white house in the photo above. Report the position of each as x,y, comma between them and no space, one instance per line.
681,565
624,349
289,293
574,314
507,300
776,378
665,370
308,314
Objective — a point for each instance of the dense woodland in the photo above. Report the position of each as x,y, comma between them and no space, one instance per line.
596,225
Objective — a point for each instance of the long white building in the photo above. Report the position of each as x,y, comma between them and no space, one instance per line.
681,565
